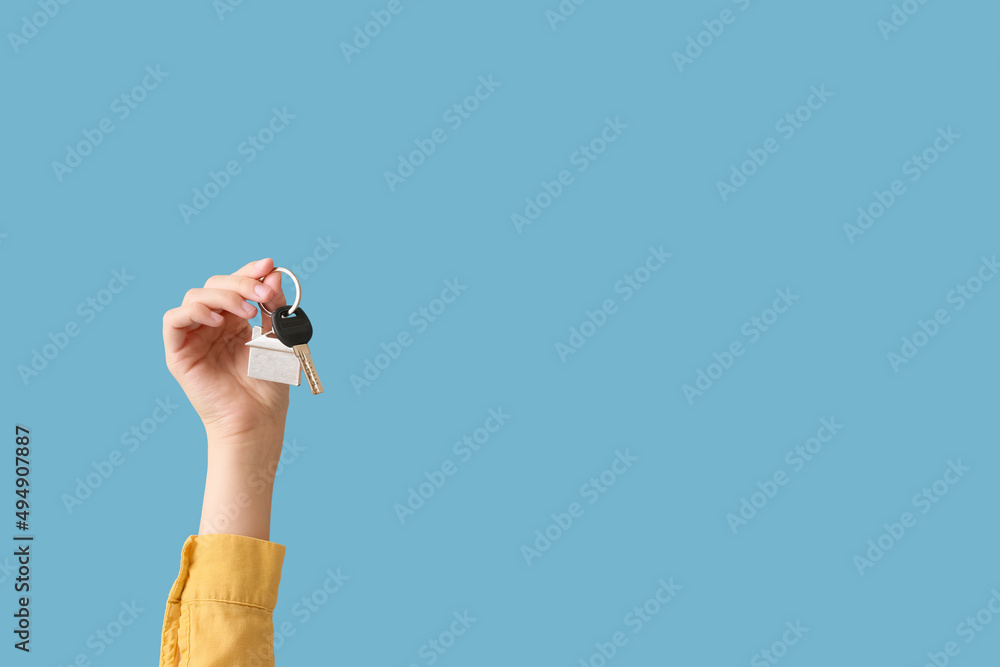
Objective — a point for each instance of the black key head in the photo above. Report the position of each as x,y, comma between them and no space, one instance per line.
291,330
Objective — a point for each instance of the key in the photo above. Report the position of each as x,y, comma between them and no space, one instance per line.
295,331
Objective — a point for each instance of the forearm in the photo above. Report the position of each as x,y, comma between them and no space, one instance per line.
239,483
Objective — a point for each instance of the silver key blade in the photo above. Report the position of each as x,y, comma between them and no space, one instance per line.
312,377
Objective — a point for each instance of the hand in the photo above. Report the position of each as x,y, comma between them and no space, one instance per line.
204,342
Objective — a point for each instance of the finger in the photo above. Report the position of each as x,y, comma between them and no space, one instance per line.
277,300
264,268
219,300
177,322
246,287
256,270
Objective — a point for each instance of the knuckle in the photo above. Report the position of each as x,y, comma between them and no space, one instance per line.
216,281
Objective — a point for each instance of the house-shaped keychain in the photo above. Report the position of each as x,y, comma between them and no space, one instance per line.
271,360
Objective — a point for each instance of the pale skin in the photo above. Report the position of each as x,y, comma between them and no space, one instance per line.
244,417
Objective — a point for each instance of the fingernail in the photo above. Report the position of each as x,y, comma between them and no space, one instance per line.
216,317
263,291
250,309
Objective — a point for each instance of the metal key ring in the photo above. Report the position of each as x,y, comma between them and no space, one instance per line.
298,291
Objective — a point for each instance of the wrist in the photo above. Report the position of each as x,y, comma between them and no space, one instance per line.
249,441
240,482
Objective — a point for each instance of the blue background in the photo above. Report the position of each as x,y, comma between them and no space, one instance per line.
323,178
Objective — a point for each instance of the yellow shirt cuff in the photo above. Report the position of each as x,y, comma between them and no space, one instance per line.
233,568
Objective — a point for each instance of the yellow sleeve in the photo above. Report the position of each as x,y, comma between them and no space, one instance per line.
219,613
